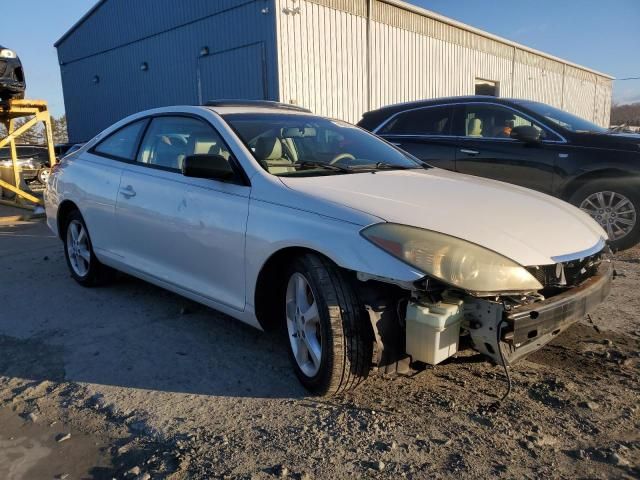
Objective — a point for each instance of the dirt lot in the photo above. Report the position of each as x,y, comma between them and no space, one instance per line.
148,384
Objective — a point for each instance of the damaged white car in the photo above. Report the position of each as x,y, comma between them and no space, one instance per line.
361,254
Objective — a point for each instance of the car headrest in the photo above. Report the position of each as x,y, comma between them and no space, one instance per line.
268,148
474,127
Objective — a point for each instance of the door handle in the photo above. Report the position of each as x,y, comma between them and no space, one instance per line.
469,152
128,192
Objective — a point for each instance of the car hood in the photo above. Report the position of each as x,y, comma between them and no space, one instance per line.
611,140
528,227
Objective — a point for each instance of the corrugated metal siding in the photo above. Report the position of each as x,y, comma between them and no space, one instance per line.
398,17
119,22
322,59
603,102
579,92
323,52
409,66
174,65
537,78
356,7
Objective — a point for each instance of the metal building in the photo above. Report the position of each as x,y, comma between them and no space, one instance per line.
337,57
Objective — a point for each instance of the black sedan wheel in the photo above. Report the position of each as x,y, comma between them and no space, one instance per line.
616,207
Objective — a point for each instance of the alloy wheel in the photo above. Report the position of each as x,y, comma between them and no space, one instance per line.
78,248
303,325
43,175
613,211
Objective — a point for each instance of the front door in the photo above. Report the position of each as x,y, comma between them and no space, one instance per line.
188,232
485,148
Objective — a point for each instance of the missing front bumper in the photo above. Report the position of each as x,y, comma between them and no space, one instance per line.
526,329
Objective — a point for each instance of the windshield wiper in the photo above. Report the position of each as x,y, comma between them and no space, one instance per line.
384,166
326,166
389,166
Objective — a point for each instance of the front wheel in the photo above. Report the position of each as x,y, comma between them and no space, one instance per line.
329,342
615,206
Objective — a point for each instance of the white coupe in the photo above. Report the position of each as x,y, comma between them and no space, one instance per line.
364,256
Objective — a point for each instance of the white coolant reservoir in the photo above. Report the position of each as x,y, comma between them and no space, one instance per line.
433,330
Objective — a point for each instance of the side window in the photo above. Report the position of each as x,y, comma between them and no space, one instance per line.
424,121
26,152
493,121
123,143
169,140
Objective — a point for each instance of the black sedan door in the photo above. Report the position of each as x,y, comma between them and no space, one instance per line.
425,133
485,148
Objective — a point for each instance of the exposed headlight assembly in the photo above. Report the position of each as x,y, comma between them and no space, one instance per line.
454,261
6,53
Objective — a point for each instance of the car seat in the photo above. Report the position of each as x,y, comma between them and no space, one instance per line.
268,152
169,152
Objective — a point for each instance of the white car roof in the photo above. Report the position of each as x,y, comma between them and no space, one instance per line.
224,110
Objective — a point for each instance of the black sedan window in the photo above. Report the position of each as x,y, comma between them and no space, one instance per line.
422,121
564,119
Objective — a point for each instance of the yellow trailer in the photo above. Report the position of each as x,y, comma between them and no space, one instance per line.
10,111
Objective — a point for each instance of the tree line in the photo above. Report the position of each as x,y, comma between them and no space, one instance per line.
36,136
628,114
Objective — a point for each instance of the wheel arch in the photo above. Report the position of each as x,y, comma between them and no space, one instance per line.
268,282
611,174
64,209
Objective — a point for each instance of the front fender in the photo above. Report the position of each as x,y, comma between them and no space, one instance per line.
272,228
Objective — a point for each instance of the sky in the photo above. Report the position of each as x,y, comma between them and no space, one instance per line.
603,35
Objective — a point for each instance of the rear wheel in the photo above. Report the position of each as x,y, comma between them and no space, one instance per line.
615,206
85,268
329,342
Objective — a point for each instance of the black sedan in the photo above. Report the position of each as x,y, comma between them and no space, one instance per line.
529,144
12,84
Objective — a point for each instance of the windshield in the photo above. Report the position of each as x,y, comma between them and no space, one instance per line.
564,119
306,145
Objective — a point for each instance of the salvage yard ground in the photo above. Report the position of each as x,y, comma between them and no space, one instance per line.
149,384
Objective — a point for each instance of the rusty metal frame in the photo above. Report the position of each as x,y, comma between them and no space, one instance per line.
9,112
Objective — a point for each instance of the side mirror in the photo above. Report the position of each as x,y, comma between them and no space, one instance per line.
214,167
526,134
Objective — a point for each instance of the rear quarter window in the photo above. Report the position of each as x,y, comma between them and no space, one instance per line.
123,143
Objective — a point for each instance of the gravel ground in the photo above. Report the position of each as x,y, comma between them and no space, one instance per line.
149,385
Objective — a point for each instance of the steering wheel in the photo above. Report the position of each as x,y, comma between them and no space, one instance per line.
341,156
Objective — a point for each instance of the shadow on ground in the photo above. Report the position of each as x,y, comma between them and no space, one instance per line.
129,333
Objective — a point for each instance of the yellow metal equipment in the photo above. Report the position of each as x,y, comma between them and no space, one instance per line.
9,112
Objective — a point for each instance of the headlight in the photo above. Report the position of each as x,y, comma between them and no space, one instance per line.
6,53
452,260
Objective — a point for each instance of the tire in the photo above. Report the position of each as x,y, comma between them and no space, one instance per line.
620,202
85,268
341,330
43,175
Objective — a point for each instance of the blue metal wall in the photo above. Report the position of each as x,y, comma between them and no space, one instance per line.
112,44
